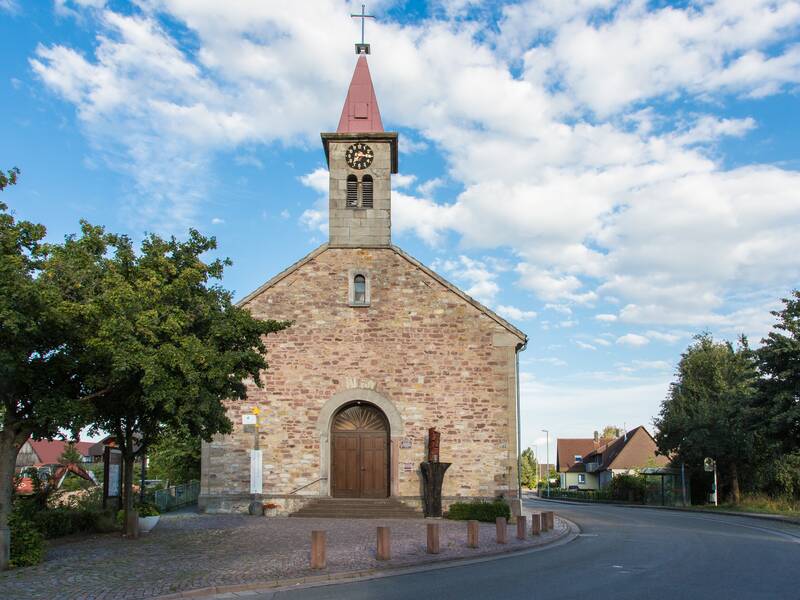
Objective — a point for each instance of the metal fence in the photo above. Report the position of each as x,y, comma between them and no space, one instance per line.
176,496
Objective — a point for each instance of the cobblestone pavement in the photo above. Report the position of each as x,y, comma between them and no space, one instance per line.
189,551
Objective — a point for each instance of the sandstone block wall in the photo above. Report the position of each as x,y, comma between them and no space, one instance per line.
439,360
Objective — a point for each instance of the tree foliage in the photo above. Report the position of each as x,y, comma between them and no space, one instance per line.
8,178
529,469
168,347
779,363
708,409
175,458
70,455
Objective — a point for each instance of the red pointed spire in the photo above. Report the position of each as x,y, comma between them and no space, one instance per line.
360,113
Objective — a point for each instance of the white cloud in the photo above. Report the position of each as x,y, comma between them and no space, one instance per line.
584,345
669,338
249,160
633,339
217,221
573,166
515,314
428,187
606,317
400,180
479,279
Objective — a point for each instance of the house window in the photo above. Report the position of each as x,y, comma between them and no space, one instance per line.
578,458
581,477
366,191
358,288
352,191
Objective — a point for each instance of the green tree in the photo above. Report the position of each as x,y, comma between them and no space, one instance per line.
610,432
41,389
169,345
175,458
70,455
8,178
708,408
529,469
779,363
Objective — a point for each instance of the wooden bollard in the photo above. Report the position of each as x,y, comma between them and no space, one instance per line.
318,560
384,544
433,538
502,530
472,534
536,523
522,527
551,520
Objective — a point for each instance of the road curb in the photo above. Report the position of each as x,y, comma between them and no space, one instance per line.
569,534
702,511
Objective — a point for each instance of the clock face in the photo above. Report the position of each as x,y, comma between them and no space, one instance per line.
359,156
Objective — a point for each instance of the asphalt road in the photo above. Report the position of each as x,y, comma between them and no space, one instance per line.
622,552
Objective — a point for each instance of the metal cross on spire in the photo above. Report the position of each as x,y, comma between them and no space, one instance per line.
362,48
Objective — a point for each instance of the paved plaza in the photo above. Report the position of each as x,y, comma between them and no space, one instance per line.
188,551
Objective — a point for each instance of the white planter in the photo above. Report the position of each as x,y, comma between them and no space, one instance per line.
146,524
271,512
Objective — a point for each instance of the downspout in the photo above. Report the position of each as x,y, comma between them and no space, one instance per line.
517,350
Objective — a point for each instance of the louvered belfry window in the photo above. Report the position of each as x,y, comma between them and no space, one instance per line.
359,290
366,191
352,191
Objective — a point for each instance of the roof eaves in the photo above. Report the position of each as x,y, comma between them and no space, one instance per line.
489,313
283,274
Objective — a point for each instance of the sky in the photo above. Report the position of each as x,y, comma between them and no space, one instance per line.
612,177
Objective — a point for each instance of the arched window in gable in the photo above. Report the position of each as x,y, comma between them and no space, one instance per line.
366,191
359,289
352,191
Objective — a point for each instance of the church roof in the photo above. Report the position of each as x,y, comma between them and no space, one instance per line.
360,112
469,299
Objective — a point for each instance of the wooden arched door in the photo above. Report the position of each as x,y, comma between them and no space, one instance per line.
360,456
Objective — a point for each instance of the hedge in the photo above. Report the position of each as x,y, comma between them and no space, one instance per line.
479,511
27,543
58,522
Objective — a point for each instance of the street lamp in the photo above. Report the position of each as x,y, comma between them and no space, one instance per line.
547,464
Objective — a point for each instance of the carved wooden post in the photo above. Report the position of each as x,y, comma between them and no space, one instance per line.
472,534
384,544
536,523
522,527
318,550
433,538
547,520
502,530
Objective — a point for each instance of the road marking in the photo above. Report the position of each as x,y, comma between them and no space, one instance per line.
587,535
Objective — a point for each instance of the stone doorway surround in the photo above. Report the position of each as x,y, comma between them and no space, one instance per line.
328,412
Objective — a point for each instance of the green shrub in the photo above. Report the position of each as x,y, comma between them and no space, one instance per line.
58,522
479,511
27,543
627,488
148,509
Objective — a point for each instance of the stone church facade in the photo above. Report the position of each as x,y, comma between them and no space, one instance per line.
381,348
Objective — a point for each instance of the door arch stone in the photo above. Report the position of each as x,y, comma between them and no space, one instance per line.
325,421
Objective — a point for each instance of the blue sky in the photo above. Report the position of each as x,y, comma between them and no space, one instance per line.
612,177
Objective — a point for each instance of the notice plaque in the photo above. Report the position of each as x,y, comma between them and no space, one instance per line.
405,443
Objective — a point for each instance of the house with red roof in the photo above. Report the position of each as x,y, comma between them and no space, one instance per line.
44,452
590,463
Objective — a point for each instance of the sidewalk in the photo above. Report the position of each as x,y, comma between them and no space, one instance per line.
221,552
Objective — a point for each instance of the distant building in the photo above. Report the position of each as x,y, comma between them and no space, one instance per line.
590,463
44,452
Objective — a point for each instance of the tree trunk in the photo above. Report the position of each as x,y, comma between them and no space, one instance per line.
131,519
735,494
11,441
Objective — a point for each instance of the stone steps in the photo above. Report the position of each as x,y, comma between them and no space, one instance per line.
357,508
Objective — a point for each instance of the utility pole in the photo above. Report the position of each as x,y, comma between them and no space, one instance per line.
547,465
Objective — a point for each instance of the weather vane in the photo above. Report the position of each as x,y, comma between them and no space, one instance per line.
362,48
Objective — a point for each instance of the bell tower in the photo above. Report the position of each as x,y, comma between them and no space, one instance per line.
361,158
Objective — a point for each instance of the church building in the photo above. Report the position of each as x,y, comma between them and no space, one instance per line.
380,350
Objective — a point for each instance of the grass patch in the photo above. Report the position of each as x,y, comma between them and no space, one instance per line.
760,503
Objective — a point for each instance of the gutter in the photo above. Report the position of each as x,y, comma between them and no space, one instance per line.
517,350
